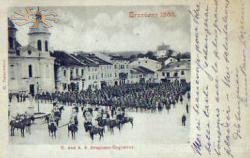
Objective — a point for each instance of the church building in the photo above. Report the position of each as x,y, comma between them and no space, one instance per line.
31,67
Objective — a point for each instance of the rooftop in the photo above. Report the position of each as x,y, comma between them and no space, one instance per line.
183,64
143,70
66,59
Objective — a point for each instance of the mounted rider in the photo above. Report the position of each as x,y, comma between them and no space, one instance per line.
52,119
119,113
88,117
73,117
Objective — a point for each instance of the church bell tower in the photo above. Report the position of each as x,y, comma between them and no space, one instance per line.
39,35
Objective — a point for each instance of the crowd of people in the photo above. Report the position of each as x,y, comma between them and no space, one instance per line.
129,95
110,103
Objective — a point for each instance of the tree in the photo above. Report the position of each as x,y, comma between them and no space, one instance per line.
169,53
185,55
178,56
150,55
140,55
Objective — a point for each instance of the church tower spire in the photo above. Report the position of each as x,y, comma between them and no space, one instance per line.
39,34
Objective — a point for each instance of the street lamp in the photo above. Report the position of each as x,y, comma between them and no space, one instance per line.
37,91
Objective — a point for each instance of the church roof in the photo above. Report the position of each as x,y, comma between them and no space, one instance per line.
11,24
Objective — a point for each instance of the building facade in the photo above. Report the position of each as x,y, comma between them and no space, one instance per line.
31,67
121,70
176,72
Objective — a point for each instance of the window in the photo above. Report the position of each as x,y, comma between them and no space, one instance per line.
82,72
39,45
12,72
89,77
77,72
30,70
182,72
71,73
163,73
176,74
64,73
102,75
168,74
29,52
46,46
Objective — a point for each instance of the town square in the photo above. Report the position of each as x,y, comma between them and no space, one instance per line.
87,95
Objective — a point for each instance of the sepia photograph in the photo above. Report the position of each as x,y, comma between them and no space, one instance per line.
99,75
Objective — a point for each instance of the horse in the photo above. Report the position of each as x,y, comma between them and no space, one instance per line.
126,120
52,129
73,129
87,126
14,124
32,118
113,123
96,130
28,122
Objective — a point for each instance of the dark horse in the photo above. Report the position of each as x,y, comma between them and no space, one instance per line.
28,122
126,120
87,126
52,129
114,123
73,129
14,124
96,130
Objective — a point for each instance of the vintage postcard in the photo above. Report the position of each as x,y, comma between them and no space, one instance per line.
125,79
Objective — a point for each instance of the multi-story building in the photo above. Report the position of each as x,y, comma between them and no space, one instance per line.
69,72
121,70
142,75
31,67
176,72
97,73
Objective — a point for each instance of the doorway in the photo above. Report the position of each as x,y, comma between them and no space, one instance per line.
32,90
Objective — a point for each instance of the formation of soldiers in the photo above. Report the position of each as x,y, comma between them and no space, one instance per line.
129,95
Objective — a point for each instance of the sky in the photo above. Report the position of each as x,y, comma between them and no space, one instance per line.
109,28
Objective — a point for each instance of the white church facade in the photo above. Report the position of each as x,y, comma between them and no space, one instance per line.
31,67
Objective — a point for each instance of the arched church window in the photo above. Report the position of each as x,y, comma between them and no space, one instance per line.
46,46
30,70
29,52
39,45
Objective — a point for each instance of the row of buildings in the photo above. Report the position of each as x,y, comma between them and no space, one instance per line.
36,68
